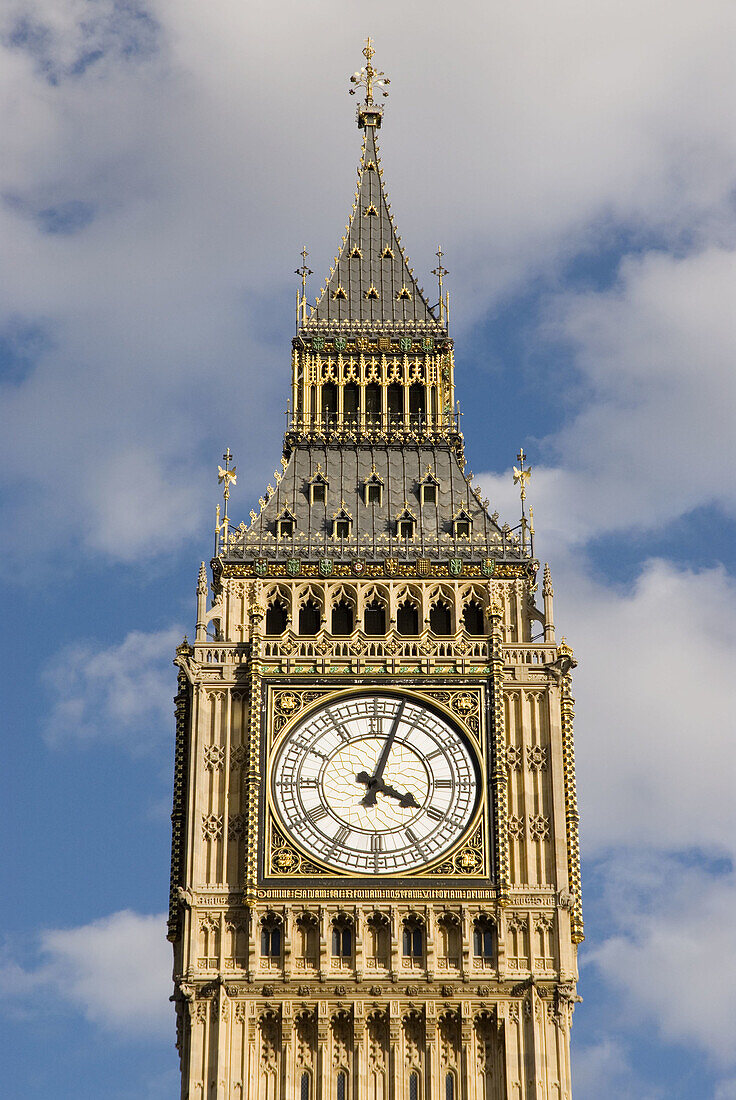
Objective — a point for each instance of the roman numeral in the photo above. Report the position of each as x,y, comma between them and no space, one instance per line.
436,815
317,813
377,843
413,838
443,782
431,755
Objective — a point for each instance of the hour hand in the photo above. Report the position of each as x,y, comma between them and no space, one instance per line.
377,786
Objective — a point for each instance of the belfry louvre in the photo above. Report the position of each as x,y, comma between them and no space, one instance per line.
375,885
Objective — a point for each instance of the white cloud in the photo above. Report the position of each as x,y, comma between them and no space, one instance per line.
652,437
655,699
159,173
119,693
672,956
116,971
602,1071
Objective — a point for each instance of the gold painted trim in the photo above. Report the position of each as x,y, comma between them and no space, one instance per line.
318,698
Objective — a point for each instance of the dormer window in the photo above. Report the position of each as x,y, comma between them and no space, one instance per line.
339,293
370,212
318,487
373,489
387,253
342,523
428,488
406,523
404,294
285,524
355,253
372,293
462,525
370,166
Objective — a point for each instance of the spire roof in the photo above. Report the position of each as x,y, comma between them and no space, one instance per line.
371,283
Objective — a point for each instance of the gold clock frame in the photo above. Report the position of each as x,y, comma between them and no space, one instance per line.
469,858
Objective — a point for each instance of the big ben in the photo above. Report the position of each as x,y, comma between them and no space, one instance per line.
375,885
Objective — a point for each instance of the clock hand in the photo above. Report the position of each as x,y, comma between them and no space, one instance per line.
377,786
369,798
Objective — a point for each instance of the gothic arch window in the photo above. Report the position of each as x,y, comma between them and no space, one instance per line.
375,617
450,932
329,403
417,402
373,400
310,616
343,617
407,617
412,939
271,937
449,1086
379,936
305,1086
395,401
440,618
308,939
473,617
351,402
483,938
342,938
276,616
413,1086
341,1089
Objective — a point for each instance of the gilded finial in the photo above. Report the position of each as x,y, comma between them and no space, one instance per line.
369,113
440,271
225,476
521,476
202,581
303,272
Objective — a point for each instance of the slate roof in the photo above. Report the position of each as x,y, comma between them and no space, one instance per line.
368,285
373,534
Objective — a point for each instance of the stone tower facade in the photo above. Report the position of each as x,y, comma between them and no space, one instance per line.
375,886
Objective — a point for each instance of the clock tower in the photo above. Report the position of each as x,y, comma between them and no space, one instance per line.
375,885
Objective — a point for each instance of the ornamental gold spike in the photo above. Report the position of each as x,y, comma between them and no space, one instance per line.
522,474
226,476
367,77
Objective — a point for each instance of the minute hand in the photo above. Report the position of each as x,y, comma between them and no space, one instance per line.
369,798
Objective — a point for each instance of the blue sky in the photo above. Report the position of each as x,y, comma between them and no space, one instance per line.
161,165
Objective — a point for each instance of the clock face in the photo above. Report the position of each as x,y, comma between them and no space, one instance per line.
375,784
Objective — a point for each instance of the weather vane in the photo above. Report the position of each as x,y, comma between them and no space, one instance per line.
368,77
303,271
440,272
521,477
225,476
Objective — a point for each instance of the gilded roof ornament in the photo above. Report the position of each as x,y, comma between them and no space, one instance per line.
521,476
369,113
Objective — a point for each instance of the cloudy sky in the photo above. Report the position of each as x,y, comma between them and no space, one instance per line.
162,162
